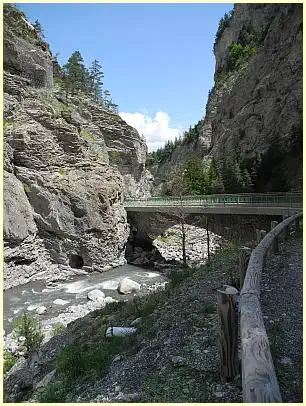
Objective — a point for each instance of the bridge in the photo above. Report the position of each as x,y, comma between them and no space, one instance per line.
274,204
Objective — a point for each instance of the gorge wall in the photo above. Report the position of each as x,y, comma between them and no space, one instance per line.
256,104
67,168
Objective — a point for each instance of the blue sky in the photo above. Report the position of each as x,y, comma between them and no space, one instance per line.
157,58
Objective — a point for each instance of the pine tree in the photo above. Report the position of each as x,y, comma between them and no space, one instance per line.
95,76
38,29
247,180
77,73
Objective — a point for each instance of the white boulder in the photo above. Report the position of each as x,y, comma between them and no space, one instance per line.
126,285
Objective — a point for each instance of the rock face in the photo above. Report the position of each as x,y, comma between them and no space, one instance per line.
67,168
257,107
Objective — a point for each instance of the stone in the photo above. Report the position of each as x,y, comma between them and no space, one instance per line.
61,302
41,310
96,295
136,321
43,383
178,361
127,285
286,361
109,299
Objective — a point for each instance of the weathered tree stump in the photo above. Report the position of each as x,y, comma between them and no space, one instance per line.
244,257
226,299
275,247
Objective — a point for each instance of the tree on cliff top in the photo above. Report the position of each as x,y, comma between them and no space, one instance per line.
76,73
95,79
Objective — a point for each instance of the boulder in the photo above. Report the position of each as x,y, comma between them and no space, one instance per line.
41,310
127,285
61,302
109,299
96,295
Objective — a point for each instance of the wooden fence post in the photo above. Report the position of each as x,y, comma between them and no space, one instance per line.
297,224
226,299
275,241
244,257
263,233
257,235
287,229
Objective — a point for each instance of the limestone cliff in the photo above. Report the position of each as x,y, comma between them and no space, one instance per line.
256,105
67,168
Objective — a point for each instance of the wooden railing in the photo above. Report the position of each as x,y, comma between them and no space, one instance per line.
259,380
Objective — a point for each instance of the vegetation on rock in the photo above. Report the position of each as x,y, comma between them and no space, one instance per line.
28,327
163,153
223,23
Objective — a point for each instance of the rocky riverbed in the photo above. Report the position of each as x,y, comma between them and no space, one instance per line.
60,303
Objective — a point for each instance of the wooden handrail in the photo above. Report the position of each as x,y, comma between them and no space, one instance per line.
259,382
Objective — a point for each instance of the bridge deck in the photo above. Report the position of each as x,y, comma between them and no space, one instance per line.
259,204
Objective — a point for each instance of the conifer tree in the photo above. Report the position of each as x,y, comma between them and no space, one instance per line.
95,76
77,73
38,29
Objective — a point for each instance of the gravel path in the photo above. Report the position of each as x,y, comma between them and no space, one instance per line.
282,308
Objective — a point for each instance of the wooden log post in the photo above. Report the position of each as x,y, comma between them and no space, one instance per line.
287,229
262,234
297,225
275,247
257,235
226,299
244,257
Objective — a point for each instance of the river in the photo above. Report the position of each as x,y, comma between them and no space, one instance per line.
73,290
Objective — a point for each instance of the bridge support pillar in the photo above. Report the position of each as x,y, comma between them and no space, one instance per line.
275,247
226,300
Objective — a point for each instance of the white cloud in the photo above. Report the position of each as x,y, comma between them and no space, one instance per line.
156,130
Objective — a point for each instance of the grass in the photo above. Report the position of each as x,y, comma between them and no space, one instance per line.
9,360
58,328
82,361
61,171
26,188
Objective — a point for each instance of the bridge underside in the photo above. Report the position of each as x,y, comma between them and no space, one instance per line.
234,209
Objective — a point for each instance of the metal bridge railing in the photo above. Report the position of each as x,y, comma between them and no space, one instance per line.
292,199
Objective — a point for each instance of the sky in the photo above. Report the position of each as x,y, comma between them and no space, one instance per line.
157,58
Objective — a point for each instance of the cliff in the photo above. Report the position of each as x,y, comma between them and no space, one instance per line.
67,168
256,102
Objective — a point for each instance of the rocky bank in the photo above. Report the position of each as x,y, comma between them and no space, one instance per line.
68,167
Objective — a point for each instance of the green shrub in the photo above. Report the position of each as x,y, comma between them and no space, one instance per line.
237,55
7,123
80,360
58,328
66,113
26,188
28,326
115,154
223,23
86,134
56,393
61,171
9,360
